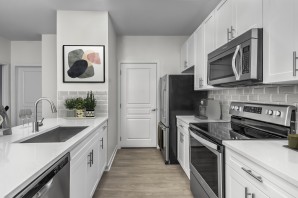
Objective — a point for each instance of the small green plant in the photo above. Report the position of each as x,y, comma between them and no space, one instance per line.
90,101
79,103
70,103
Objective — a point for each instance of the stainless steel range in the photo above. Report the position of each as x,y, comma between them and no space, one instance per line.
248,121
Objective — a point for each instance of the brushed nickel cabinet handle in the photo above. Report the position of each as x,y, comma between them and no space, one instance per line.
89,161
228,32
294,63
232,31
101,143
248,194
259,178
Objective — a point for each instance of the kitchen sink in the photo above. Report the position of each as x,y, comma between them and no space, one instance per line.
60,134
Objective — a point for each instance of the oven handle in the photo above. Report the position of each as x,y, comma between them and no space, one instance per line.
203,141
234,63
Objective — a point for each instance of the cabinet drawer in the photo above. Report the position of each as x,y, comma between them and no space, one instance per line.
269,183
182,125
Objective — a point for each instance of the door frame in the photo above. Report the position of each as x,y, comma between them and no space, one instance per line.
156,62
6,86
15,113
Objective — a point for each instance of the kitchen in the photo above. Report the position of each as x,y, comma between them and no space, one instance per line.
133,60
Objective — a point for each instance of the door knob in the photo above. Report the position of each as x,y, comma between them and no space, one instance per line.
153,109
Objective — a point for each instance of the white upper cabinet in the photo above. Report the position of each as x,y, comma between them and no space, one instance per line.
183,56
280,40
188,53
199,65
191,51
224,22
234,17
209,46
205,43
247,15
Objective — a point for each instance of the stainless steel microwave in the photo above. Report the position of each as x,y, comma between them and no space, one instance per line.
239,62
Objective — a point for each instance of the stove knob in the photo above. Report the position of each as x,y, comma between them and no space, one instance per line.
270,112
232,107
236,108
240,109
278,113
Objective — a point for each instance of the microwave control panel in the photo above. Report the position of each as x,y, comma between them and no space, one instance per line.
245,60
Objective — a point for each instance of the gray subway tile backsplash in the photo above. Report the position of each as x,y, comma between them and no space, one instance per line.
101,108
287,89
271,90
272,94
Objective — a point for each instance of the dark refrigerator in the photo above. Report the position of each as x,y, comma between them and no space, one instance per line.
177,97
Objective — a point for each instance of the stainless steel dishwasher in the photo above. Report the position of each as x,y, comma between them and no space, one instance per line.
53,183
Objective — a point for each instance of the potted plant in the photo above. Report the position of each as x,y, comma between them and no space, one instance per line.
90,104
80,107
70,105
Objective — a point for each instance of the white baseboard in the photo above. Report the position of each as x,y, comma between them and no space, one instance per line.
108,167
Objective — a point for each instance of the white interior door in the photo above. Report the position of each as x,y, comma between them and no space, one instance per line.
138,105
28,89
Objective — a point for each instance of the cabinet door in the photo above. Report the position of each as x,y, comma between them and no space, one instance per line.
209,45
78,177
279,40
199,64
183,56
180,148
191,50
223,22
238,186
103,152
92,169
248,14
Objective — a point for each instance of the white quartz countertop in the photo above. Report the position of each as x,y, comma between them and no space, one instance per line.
192,119
21,163
270,154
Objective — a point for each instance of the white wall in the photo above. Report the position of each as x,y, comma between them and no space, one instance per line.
112,93
165,50
49,72
4,51
23,53
80,28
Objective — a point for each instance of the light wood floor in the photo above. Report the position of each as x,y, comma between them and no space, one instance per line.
142,173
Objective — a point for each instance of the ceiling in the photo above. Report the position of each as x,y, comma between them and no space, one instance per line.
28,19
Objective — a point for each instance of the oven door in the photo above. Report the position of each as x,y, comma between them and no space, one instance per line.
206,165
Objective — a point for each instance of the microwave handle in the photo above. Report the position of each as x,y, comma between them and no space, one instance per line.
234,63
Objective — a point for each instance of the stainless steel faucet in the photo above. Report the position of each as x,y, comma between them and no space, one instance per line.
35,124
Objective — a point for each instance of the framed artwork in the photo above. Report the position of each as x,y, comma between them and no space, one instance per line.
83,63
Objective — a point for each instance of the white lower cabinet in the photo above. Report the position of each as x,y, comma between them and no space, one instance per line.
88,161
244,178
103,151
183,146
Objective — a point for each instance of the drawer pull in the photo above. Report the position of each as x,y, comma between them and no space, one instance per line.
181,126
259,178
